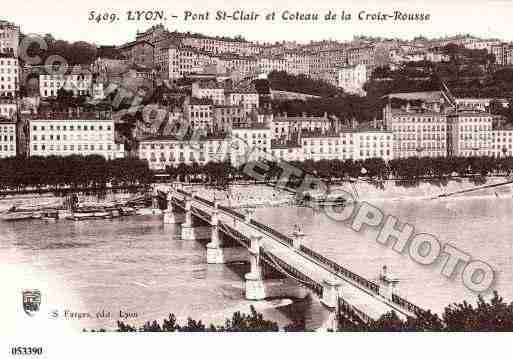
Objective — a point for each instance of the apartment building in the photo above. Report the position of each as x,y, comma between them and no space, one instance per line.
418,132
73,133
213,90
7,137
502,141
250,142
469,134
9,38
8,108
164,151
245,96
198,113
77,80
9,76
141,53
225,117
352,78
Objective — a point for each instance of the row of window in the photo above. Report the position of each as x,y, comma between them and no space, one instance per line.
71,128
84,147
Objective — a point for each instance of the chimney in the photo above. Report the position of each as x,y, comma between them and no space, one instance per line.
325,115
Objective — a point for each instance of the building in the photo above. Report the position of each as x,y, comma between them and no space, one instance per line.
77,80
139,52
212,90
9,76
245,96
503,53
9,38
373,143
73,133
199,113
469,134
352,78
355,144
363,55
175,61
250,142
7,137
502,141
418,132
288,127
163,151
225,117
8,108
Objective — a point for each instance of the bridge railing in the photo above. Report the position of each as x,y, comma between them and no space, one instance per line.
231,211
272,232
204,201
352,312
179,202
181,191
406,304
373,287
281,266
235,234
204,215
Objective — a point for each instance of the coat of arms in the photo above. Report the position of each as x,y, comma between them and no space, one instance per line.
31,301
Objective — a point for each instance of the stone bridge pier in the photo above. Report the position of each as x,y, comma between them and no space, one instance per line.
172,215
194,229
260,286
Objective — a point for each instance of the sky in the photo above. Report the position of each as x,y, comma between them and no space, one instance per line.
69,20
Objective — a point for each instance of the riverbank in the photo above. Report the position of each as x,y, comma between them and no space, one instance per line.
266,195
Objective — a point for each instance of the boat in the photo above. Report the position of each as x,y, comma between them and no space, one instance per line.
321,199
101,214
17,216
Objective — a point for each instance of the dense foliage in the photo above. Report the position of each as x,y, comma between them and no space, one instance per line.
75,53
239,322
492,315
71,171
281,80
468,73
485,316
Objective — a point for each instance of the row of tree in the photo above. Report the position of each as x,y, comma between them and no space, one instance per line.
410,169
75,53
74,171
492,315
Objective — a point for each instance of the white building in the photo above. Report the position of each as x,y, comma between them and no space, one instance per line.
9,76
250,143
502,141
8,108
212,90
164,151
469,134
7,137
9,38
247,97
418,132
352,78
73,133
77,80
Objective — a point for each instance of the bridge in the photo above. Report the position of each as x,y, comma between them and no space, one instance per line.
280,265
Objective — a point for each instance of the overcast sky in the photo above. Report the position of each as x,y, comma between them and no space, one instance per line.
69,20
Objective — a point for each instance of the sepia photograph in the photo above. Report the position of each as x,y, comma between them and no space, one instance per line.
339,169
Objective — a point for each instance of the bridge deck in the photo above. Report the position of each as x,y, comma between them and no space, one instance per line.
369,303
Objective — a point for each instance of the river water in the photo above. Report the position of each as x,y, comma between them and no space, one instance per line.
137,265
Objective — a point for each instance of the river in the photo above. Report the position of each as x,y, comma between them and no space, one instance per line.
137,265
